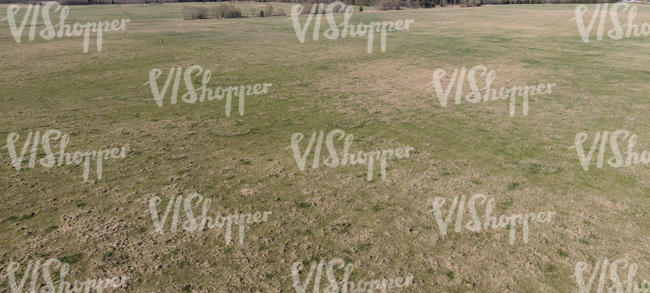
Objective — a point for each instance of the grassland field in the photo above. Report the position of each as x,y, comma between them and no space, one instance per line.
243,163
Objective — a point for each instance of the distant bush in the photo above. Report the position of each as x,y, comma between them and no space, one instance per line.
74,2
362,2
195,12
471,3
388,5
307,8
280,12
223,10
427,3
410,4
268,9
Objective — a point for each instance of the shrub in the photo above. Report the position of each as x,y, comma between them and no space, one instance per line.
222,10
427,3
307,7
225,10
268,9
195,12
471,3
261,13
410,3
280,12
72,2
388,5
414,3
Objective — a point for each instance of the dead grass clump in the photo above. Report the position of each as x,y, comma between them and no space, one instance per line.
280,12
225,10
313,8
190,12
268,9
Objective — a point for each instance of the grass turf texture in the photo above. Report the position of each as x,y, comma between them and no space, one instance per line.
382,98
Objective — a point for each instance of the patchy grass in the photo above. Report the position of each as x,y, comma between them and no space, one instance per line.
383,99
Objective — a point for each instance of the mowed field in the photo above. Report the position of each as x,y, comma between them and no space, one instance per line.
103,228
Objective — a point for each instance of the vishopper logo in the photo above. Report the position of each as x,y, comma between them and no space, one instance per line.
617,284
490,221
204,221
50,268
206,93
346,285
347,156
619,31
50,160
489,94
50,31
618,160
347,29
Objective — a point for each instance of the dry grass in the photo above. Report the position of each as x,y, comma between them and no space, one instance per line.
381,98
223,10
